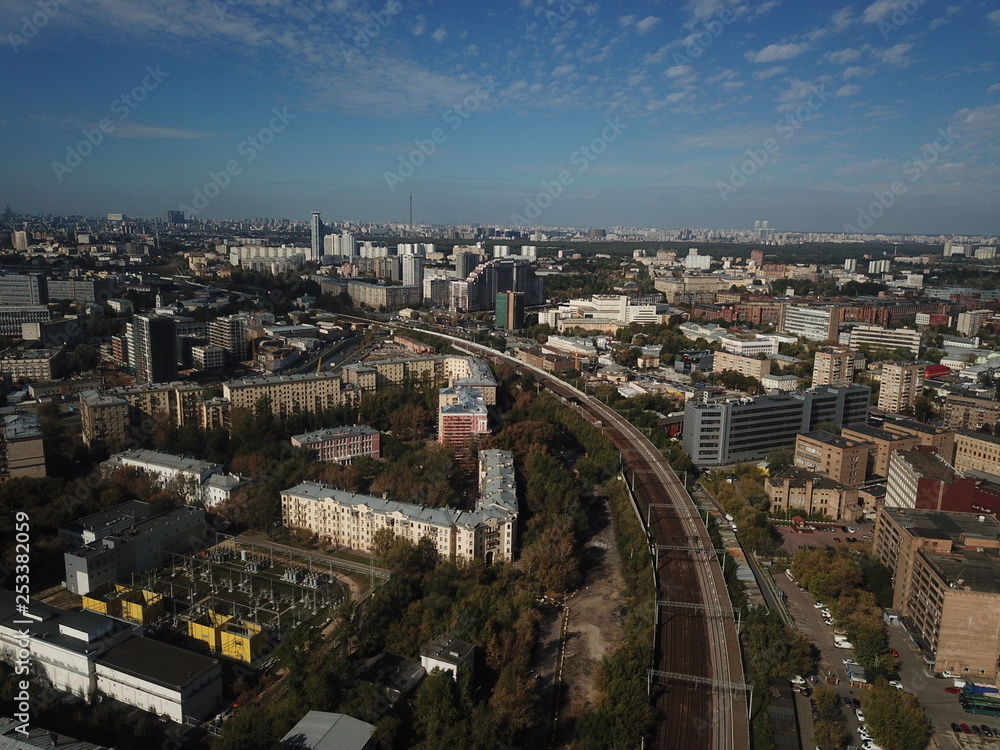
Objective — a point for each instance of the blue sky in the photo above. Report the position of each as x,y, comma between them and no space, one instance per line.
702,113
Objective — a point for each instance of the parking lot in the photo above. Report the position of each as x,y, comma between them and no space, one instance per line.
792,539
942,707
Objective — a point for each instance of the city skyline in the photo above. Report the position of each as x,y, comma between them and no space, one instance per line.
716,113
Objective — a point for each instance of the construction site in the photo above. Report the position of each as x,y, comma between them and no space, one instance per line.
238,596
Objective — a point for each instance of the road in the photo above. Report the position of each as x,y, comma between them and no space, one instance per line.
698,694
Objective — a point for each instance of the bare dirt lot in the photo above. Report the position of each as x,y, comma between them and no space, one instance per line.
593,626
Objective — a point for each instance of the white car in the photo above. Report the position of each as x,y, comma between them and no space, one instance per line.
798,680
896,684
949,675
864,735
819,605
869,745
850,663
860,714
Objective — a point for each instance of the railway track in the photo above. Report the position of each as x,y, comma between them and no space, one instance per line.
697,686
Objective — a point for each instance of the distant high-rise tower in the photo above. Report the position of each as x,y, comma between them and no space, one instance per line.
175,217
413,270
509,310
317,236
153,345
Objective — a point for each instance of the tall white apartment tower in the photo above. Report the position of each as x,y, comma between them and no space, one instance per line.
413,270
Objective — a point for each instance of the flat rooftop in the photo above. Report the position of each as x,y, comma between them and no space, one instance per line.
929,465
168,666
829,438
939,524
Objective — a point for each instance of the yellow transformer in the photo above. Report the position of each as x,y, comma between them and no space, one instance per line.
207,629
243,640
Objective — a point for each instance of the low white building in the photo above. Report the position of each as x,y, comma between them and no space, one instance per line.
447,654
162,679
64,646
750,346
198,482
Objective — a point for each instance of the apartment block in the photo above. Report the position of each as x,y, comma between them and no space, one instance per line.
751,367
462,416
341,444
946,581
900,386
878,337
487,533
813,323
22,453
378,297
969,412
38,365
797,491
105,418
882,444
287,394
834,456
833,367
975,451
922,479
942,440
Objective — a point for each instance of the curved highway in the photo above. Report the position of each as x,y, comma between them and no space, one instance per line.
696,684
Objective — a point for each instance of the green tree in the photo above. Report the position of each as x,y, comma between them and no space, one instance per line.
895,719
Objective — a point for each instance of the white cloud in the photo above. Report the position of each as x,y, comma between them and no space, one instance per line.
994,16
895,55
878,11
646,24
763,75
677,71
850,89
843,56
856,71
419,27
563,70
842,18
994,89
776,53
137,130
626,21
732,85
472,49
439,35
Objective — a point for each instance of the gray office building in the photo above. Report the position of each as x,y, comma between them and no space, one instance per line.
727,431
23,290
134,545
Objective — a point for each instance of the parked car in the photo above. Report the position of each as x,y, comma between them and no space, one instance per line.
798,680
850,663
953,690
966,729
986,730
896,684
894,652
956,728
860,714
848,702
